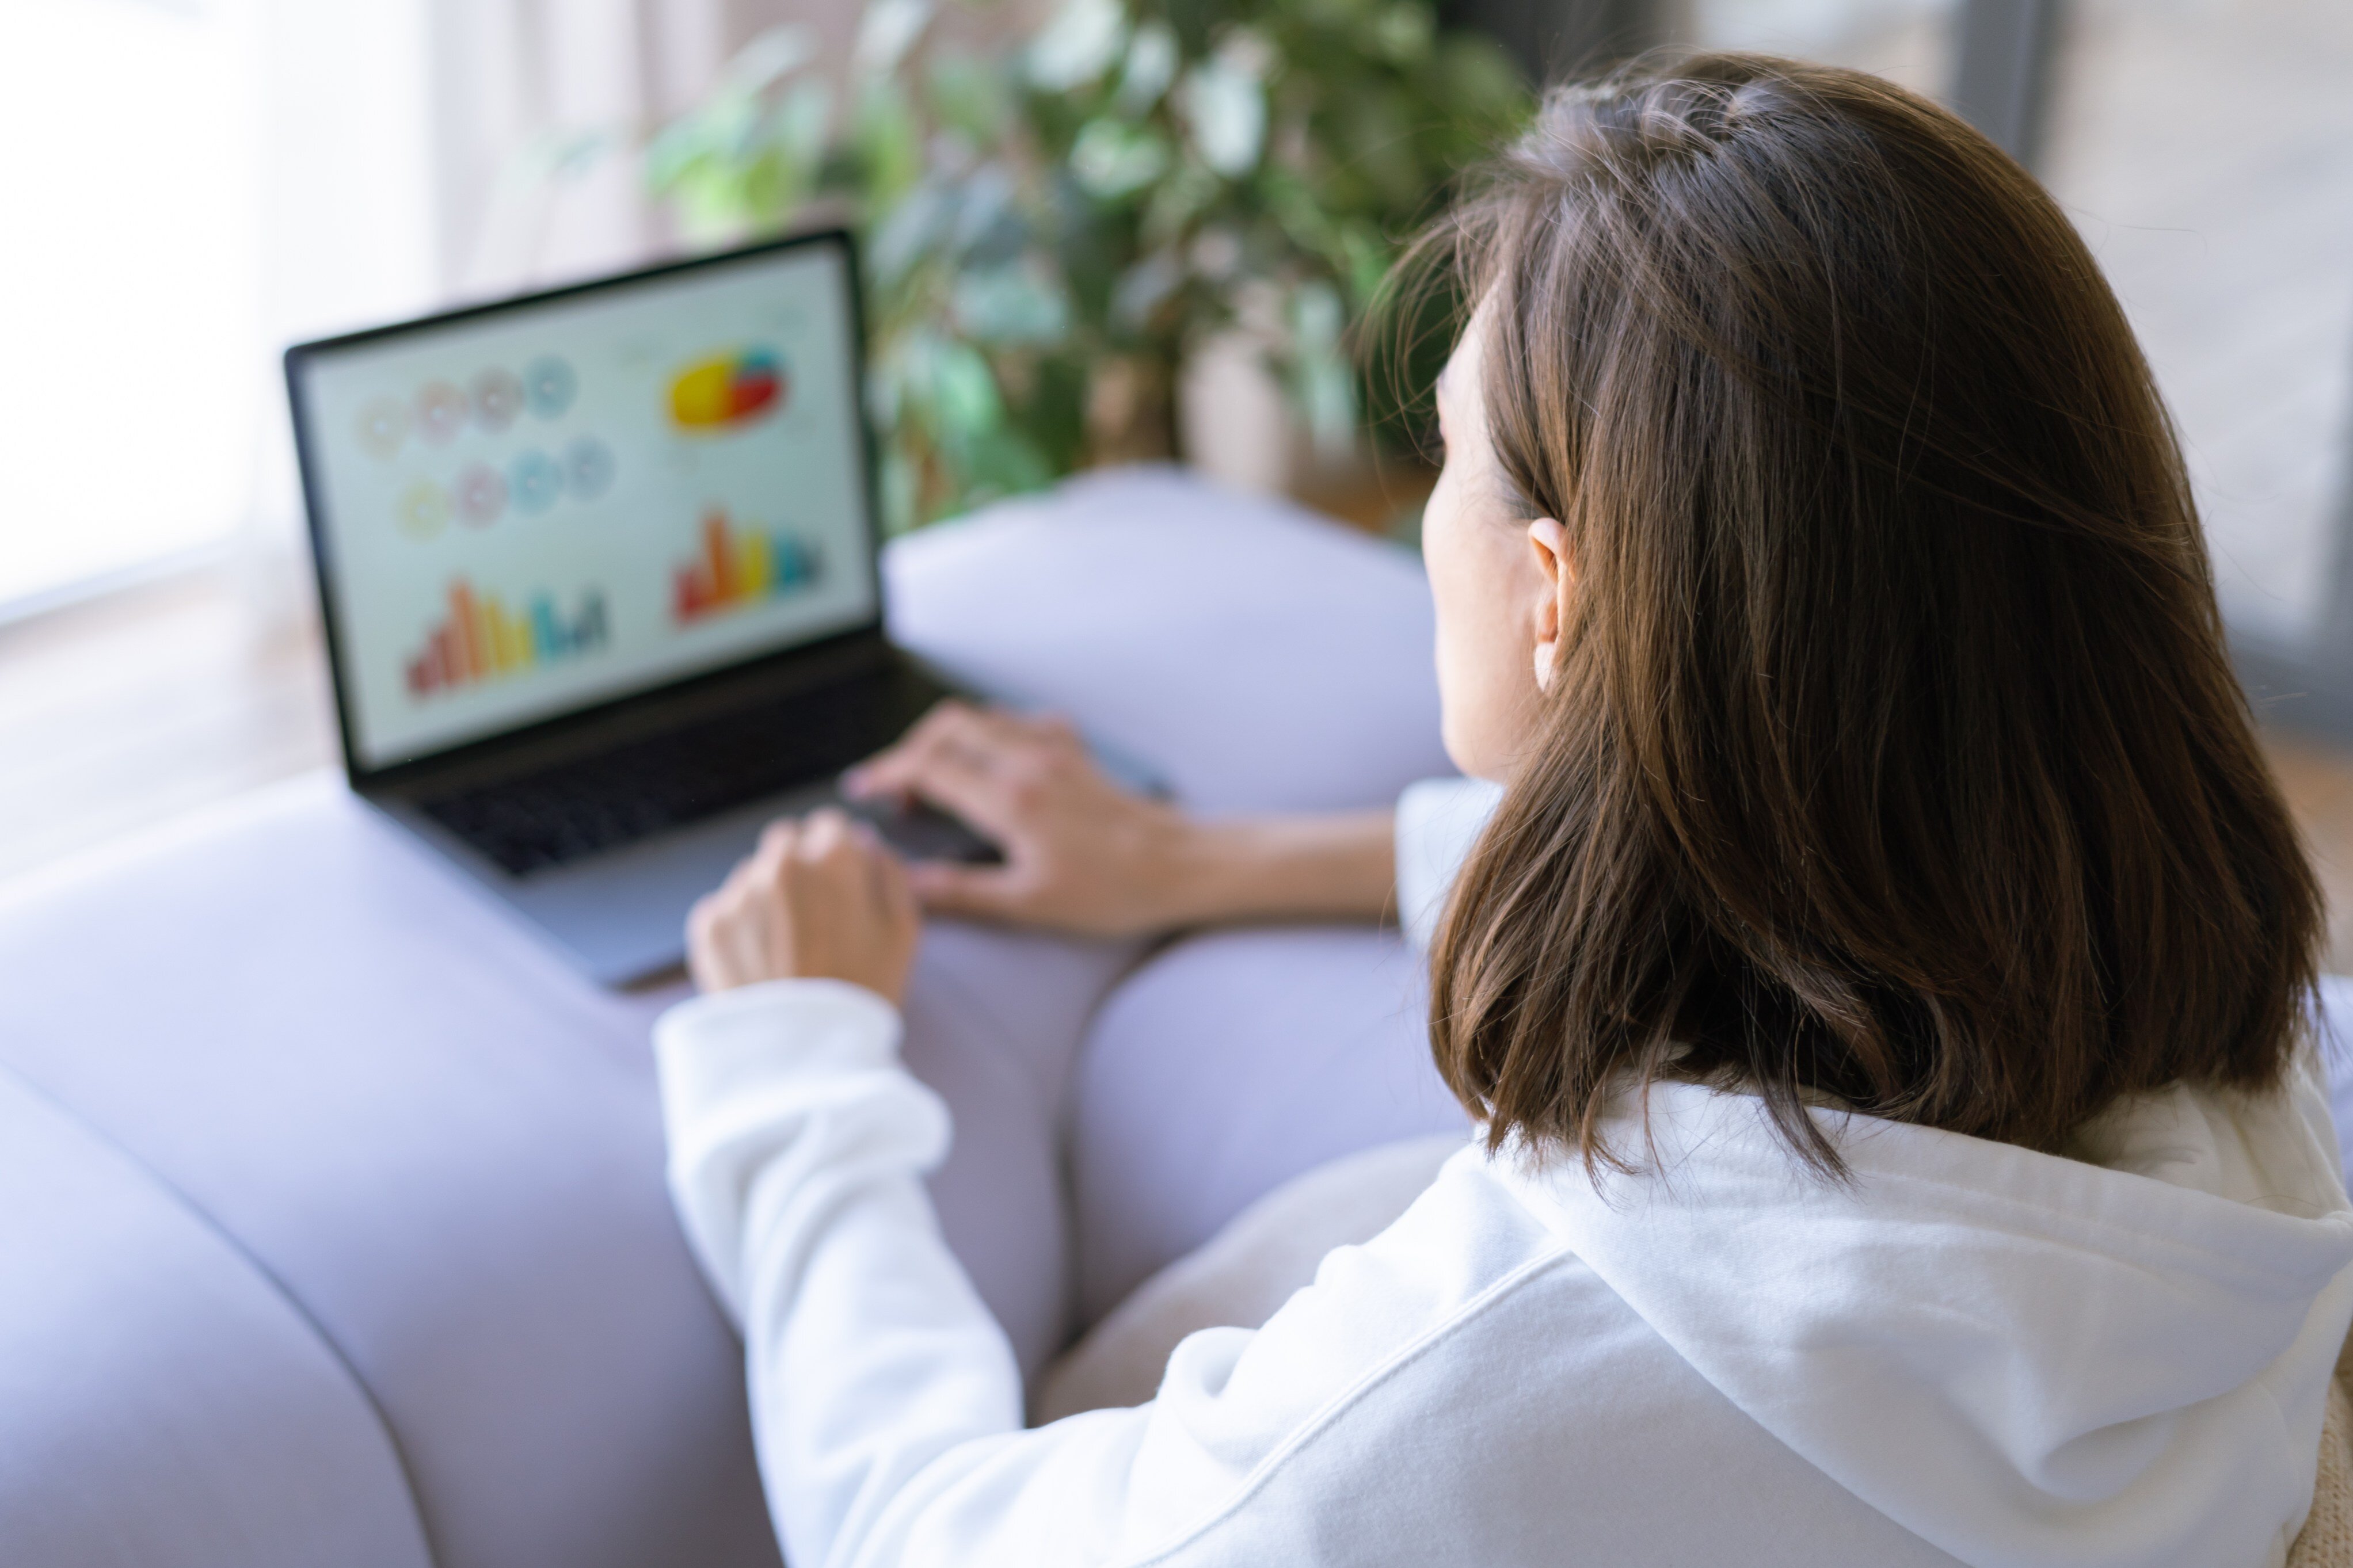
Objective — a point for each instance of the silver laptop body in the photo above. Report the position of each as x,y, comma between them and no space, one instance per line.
599,572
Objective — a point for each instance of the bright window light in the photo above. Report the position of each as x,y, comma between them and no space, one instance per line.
131,383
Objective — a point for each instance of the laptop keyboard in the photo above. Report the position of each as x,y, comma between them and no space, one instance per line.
615,797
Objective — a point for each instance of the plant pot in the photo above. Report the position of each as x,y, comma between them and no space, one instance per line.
1131,411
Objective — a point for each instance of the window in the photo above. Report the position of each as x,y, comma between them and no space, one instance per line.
1909,41
129,290
2205,150
190,184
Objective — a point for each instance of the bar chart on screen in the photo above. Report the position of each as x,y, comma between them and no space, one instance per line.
736,567
478,638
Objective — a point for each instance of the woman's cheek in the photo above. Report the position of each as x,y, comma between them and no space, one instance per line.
1454,727
1471,676
1482,702
1442,545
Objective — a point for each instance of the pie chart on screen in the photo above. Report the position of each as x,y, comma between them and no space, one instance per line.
729,391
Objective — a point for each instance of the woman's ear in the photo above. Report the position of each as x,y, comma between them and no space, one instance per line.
1549,540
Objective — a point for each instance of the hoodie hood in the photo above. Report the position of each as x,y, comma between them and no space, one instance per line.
2023,1358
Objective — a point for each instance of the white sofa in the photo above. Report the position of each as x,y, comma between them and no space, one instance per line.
331,1205
331,1223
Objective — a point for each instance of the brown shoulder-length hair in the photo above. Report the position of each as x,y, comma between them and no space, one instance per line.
1893,755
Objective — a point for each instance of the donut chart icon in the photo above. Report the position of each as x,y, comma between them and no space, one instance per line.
534,481
498,398
588,467
550,383
423,509
383,426
728,391
440,411
481,495
493,400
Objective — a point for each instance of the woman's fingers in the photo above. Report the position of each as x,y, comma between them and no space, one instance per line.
892,770
819,897
981,766
886,876
982,739
973,892
823,837
704,961
1082,854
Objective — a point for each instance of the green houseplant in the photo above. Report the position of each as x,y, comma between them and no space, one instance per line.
1051,226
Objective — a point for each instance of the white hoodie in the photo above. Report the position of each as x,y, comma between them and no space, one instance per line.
1972,1354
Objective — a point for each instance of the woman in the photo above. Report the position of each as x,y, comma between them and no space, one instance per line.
1879,986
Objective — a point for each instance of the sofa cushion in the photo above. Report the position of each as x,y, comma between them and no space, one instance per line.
1259,658
162,1399
442,1145
439,1141
1228,1065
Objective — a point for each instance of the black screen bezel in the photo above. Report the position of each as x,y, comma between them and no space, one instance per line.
310,462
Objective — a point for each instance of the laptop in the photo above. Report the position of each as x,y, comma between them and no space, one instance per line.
598,573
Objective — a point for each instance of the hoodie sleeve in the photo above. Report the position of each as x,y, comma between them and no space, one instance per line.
797,1145
886,1404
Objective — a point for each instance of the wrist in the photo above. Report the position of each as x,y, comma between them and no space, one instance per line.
1338,866
1208,873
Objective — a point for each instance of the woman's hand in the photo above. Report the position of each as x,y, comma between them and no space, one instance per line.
1081,853
820,898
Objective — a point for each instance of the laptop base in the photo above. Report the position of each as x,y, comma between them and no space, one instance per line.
620,915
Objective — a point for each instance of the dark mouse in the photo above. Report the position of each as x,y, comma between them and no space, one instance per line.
923,831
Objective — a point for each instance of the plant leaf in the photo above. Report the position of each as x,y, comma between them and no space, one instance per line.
1225,109
769,56
1078,45
1111,159
885,33
1152,59
1004,306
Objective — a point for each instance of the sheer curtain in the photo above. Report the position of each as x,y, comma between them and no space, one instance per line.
519,121
194,183
537,108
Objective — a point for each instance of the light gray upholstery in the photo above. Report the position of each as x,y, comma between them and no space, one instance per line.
160,1401
434,1152
1260,657
1225,1066
434,1142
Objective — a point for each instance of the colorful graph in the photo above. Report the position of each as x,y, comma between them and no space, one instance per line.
728,390
737,568
480,639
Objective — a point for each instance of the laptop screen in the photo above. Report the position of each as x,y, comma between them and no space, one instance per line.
526,510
